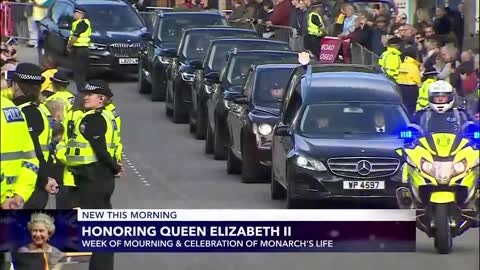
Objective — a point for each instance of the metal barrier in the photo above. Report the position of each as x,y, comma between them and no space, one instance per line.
16,20
361,55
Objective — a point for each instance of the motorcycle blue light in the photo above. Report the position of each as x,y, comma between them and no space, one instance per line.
476,135
406,134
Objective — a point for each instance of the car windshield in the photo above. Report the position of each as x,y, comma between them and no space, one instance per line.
171,28
196,43
238,68
218,55
113,18
332,120
270,85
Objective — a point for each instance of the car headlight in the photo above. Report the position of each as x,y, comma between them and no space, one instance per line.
97,46
264,129
310,164
164,60
187,76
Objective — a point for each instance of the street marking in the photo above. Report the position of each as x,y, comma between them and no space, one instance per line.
135,170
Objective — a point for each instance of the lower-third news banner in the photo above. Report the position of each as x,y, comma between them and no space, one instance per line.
210,230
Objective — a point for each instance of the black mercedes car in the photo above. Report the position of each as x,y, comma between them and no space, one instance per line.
227,85
166,31
214,61
336,138
117,34
189,58
251,118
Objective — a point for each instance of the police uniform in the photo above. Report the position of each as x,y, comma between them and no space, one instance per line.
315,32
91,158
429,76
390,60
60,80
39,123
449,121
82,30
118,140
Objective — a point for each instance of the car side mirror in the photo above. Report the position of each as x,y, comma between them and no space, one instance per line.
168,53
65,25
212,77
196,64
281,131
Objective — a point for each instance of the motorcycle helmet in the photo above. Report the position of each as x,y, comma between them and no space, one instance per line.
441,96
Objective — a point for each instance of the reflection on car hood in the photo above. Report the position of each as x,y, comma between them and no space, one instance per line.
109,37
329,148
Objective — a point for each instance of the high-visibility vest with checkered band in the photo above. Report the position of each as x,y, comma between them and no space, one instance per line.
45,137
79,151
118,139
19,164
84,39
390,61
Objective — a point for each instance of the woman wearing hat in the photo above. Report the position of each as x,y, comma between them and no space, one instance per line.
26,90
429,77
59,91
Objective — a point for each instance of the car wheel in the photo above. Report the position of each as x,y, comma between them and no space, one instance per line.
277,191
201,125
251,171
209,140
158,88
143,85
219,152
179,116
234,165
168,111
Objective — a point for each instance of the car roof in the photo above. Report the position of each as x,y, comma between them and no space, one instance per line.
253,52
348,86
219,28
177,12
227,40
263,67
101,2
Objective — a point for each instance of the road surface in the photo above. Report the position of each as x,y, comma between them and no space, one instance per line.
167,168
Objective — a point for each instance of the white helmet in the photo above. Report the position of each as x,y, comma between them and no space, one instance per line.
441,96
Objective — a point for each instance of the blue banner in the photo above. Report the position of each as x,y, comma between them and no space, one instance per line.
102,234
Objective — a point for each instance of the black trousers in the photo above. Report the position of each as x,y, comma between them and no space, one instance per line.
38,200
95,186
312,43
409,95
67,198
79,65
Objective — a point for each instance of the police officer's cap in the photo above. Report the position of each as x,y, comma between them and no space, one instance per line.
28,73
98,87
394,41
316,3
80,9
60,77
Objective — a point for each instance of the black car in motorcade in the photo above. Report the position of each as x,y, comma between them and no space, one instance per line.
228,85
166,31
189,58
117,34
251,118
336,138
213,62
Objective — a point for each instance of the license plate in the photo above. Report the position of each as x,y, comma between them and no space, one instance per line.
128,61
364,185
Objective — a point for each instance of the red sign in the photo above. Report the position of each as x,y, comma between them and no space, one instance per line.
329,49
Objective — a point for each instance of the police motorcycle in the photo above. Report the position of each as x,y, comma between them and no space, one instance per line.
441,171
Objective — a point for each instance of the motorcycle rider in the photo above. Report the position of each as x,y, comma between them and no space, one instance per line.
441,115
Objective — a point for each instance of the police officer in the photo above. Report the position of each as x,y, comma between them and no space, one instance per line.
118,141
90,157
19,163
59,91
68,195
441,116
429,77
26,86
390,60
315,30
77,46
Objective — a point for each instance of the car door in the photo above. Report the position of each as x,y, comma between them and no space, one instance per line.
148,55
238,115
61,14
